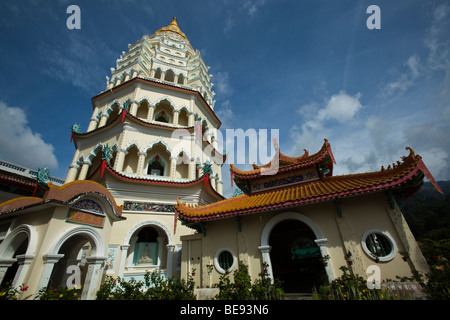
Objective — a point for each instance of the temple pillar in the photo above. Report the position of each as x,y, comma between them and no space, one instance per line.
24,261
84,170
123,258
92,277
49,262
160,241
4,265
267,263
141,163
219,186
191,119
133,108
169,264
173,167
72,173
191,169
176,114
103,120
93,123
120,159
151,111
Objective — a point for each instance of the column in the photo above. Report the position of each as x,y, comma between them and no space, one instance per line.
173,166
120,159
170,250
123,259
322,243
265,252
133,108
72,173
93,124
141,163
151,111
92,277
191,119
103,120
49,263
176,114
191,169
24,261
4,265
160,241
219,187
84,170
212,181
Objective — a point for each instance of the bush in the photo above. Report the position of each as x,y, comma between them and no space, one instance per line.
59,293
8,292
155,287
352,287
242,288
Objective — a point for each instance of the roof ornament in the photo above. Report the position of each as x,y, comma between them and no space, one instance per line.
74,128
107,151
411,152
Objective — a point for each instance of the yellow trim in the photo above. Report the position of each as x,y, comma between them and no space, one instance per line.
18,199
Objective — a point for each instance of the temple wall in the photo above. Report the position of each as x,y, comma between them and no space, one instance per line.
343,226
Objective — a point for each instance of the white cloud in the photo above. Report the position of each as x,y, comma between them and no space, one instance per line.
79,61
222,85
324,120
340,107
19,144
436,160
225,114
404,80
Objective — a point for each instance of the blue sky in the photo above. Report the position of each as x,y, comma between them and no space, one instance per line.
311,69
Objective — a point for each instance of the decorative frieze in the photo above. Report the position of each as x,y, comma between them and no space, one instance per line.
148,206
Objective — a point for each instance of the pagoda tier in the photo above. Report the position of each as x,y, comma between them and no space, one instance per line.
399,181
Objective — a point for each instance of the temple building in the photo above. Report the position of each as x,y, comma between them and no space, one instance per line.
302,224
151,139
143,193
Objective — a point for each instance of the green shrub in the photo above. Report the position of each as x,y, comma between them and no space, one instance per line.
351,287
59,293
242,288
154,287
8,292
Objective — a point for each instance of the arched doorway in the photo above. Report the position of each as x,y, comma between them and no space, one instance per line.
148,246
295,256
10,273
75,251
17,252
81,246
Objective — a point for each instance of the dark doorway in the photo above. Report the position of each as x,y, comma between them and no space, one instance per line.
296,257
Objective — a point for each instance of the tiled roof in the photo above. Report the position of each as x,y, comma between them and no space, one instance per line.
104,167
286,163
410,170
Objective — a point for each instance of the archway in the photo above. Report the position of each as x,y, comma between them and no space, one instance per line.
75,250
81,246
296,257
17,252
157,237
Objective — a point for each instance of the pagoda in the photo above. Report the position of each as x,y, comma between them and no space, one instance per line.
152,139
